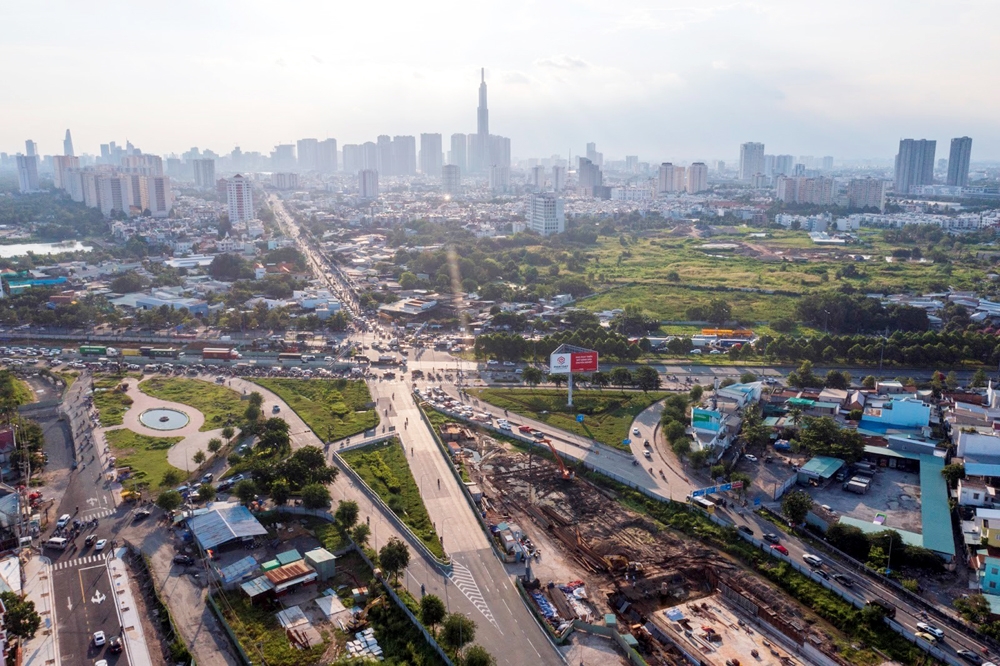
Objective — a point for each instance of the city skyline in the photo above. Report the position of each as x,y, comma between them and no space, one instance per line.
810,94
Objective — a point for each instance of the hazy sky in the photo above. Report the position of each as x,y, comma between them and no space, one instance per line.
678,79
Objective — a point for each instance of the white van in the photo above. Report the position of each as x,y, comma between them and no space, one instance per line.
58,543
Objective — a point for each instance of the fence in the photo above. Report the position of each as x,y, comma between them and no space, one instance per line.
445,564
781,489
229,630
613,634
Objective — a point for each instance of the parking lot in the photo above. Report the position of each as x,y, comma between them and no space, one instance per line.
893,493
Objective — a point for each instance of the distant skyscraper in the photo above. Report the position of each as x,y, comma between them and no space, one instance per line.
783,165
958,161
368,184
31,148
499,150
283,157
282,180
481,146
459,143
159,197
61,167
828,163
369,155
308,154
594,156
239,194
68,145
768,165
680,178
751,160
588,176
914,164
558,178
632,163
499,179
204,173
545,214
385,162
327,155
27,173
451,179
537,179
352,158
430,154
665,179
404,155
866,193
697,177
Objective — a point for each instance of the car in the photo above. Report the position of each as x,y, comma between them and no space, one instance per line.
930,638
186,560
646,444
822,574
208,478
101,662
970,657
276,409
770,537
648,454
930,629
99,638
89,541
751,458
812,560
635,431
781,549
142,513
745,530
695,351
843,580
63,520
99,546
716,351
115,644
492,362
509,363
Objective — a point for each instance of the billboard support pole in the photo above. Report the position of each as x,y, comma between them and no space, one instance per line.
569,402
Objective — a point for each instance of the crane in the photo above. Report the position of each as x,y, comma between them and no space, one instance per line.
567,473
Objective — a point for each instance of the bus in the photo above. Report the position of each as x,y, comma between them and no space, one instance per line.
167,352
287,357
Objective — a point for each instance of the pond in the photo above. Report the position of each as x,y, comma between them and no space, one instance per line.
164,419
21,249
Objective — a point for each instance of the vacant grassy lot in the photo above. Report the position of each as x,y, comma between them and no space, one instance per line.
384,468
147,456
671,302
259,632
110,403
332,408
218,403
608,414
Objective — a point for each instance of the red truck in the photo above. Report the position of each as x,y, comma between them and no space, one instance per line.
526,429
220,354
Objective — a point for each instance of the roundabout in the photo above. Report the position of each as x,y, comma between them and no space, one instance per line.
164,419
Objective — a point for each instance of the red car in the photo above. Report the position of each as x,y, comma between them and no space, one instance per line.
781,549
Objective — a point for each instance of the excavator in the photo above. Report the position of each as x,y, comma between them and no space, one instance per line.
567,473
360,621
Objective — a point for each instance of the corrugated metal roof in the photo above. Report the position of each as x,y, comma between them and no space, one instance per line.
935,513
288,572
224,524
238,569
258,585
288,556
822,466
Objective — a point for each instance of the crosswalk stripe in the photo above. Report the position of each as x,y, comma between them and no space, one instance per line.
466,582
79,561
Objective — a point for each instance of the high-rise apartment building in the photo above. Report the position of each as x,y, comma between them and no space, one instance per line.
404,155
283,157
595,157
558,178
159,197
545,214
27,173
368,184
914,164
283,180
459,145
451,179
430,154
751,160
352,158
818,191
308,154
500,150
369,155
958,161
769,165
239,193
204,173
499,179
61,166
68,145
665,179
866,193
783,165
383,144
537,178
327,155
31,148
697,177
632,163
115,193
828,163
588,176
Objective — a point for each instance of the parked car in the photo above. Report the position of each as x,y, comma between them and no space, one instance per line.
115,645
751,458
99,638
781,549
208,478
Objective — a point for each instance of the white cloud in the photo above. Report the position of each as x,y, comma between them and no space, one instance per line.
562,61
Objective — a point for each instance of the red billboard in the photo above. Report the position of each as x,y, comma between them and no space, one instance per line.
567,362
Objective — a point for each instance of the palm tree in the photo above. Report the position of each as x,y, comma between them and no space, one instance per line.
795,414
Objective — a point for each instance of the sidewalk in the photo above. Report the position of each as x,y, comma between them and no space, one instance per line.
43,649
128,614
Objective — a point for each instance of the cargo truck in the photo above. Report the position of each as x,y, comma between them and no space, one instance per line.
93,350
220,354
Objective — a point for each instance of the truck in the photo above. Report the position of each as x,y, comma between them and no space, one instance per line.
287,357
130,352
165,352
93,350
220,354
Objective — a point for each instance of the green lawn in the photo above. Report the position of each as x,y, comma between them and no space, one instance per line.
608,414
110,403
147,456
384,468
218,403
332,408
670,302
261,635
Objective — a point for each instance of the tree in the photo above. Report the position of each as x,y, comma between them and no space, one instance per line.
674,430
743,478
600,379
246,491
951,381
206,493
681,446
557,379
748,378
795,505
974,608
408,281
347,513
214,444
394,557
172,477
868,382
21,619
532,376
432,611
979,378
836,380
280,491
696,392
698,458
169,500
621,377
953,473
477,655
824,437
228,432
256,399
646,378
199,457
360,534
315,496
458,630
849,539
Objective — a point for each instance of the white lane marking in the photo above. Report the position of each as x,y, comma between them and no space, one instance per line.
463,579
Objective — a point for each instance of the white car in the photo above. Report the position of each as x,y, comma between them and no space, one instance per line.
99,638
812,560
751,458
63,520
635,431
99,546
930,629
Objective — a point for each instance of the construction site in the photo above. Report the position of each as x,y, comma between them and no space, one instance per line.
633,569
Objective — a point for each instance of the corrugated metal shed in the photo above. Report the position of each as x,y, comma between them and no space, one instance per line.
323,561
223,524
257,586
238,569
288,556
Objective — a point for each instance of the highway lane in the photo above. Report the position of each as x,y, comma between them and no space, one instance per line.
85,604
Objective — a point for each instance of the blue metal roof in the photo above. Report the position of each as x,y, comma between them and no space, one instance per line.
935,513
238,569
223,524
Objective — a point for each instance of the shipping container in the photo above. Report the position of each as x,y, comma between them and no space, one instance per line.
93,350
220,354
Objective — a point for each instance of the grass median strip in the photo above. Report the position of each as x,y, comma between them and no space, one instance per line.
219,404
111,403
147,456
384,468
332,408
607,414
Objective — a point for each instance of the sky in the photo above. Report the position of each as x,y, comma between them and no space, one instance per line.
680,80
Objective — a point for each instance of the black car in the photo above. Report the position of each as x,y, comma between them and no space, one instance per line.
186,560
970,657
142,513
115,645
821,574
843,580
89,541
745,530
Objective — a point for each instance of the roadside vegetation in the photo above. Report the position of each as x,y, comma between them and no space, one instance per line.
384,467
111,402
220,405
332,408
146,456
